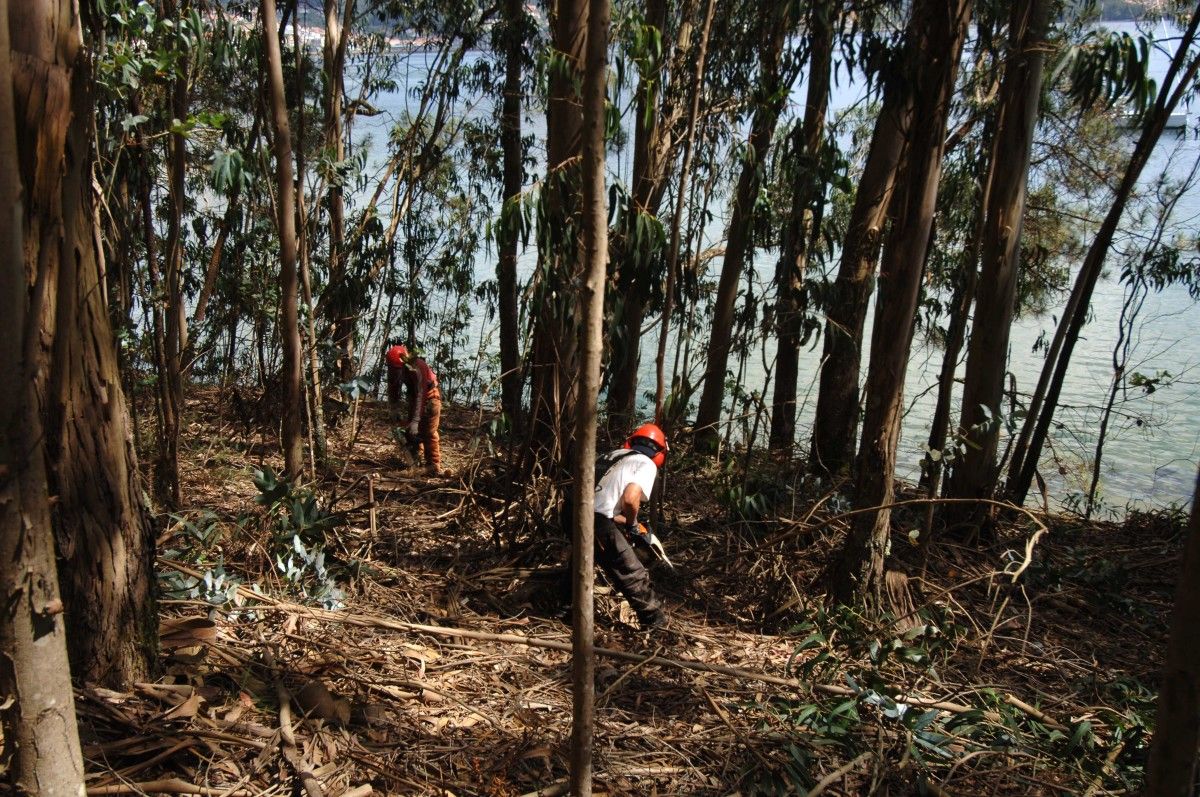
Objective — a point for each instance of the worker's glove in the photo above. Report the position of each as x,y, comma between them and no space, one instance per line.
636,532
413,428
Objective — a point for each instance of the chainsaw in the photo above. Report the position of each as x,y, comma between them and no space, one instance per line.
644,540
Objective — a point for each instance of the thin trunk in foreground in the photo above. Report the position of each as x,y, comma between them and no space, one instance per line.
289,325
595,260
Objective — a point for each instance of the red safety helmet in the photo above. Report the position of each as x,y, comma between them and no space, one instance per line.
396,355
649,435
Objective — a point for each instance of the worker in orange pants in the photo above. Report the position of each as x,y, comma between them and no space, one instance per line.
412,374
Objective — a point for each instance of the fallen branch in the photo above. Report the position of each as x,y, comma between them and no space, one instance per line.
739,673
826,781
170,786
287,738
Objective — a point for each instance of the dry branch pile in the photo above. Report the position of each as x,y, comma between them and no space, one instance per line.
441,671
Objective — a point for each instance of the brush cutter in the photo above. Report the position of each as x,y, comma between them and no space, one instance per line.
644,538
409,442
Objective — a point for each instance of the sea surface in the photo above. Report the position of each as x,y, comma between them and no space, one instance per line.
1153,442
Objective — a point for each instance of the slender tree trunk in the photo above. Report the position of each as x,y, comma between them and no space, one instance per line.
554,359
1180,75
176,329
595,256
41,738
935,38
165,475
975,474
776,26
1173,766
836,418
317,409
960,307
685,176
336,33
289,326
634,253
514,180
213,270
803,220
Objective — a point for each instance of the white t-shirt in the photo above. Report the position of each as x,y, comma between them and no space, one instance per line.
632,467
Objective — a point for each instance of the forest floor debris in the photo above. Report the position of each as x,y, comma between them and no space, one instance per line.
412,654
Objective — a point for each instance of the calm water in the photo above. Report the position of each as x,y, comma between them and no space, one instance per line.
1153,443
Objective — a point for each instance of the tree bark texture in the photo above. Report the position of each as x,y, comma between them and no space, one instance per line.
1040,414
935,37
514,179
975,474
41,738
1173,767
595,260
776,25
836,418
289,324
803,219
104,536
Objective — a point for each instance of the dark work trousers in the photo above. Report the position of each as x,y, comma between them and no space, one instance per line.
617,559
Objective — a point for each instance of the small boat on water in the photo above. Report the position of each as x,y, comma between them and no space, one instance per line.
1178,120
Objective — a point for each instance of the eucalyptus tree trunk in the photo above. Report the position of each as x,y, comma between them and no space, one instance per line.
836,418
658,109
960,309
514,179
595,257
1173,766
770,97
41,744
316,414
1180,76
975,474
336,35
685,176
289,325
104,538
803,220
175,338
554,355
164,475
934,41
633,250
